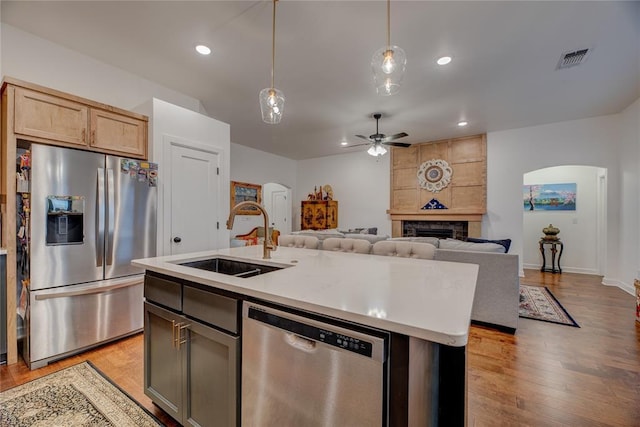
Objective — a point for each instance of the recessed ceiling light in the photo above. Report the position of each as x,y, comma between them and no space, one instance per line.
344,143
203,50
462,123
444,60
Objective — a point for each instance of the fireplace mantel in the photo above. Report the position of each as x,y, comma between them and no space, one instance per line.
435,215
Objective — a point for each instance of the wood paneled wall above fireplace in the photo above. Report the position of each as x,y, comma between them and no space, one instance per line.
466,195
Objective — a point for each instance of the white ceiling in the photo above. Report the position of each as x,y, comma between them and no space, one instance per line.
503,74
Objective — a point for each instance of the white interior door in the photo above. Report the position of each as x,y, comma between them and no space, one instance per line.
193,200
277,201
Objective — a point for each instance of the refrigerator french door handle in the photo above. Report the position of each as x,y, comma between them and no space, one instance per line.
90,291
111,214
100,219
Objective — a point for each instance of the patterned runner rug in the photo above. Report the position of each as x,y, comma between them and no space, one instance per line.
79,395
537,302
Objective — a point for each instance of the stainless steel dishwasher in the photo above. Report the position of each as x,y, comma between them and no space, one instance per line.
303,371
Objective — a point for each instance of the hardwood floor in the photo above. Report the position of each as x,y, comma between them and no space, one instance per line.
544,375
555,375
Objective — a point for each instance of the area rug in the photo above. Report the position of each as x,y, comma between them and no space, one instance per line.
537,302
79,395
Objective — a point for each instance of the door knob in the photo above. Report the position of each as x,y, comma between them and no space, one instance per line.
177,239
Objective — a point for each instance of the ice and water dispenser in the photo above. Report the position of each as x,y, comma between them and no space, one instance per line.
65,220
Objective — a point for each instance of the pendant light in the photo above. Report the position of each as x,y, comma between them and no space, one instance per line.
388,64
272,99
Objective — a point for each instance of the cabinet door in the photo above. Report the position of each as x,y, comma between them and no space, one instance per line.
118,134
213,375
163,360
332,214
49,117
320,216
306,220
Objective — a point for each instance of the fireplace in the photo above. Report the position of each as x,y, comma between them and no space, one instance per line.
441,229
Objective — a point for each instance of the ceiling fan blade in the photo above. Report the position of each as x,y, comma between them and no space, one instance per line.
356,145
396,136
364,137
397,144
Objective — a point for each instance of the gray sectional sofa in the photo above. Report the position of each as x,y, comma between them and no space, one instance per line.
497,290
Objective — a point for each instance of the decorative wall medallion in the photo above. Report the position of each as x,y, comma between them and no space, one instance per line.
434,175
433,204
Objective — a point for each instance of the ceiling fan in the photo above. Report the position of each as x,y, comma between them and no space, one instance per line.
377,140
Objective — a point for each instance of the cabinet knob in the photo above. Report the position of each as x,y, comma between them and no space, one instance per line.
177,239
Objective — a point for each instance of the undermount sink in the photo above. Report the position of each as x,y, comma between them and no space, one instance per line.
231,267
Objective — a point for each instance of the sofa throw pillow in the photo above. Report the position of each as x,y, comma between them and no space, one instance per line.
504,242
459,245
372,230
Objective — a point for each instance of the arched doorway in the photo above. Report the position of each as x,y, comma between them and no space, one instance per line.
582,230
277,202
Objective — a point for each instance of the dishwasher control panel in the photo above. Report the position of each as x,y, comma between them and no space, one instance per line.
324,334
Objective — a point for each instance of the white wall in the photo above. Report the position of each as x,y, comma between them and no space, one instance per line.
258,167
512,153
629,243
36,60
360,184
575,226
172,123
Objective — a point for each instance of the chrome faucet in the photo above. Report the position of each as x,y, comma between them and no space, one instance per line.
268,245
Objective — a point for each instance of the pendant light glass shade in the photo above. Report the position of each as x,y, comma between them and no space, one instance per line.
271,105
377,150
388,65
272,99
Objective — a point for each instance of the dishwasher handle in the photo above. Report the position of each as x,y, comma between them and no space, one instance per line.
301,343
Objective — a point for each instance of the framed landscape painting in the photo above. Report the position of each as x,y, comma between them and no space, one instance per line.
242,192
549,197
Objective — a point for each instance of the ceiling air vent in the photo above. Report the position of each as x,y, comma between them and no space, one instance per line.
571,59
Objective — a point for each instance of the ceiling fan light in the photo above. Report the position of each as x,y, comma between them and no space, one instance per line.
271,105
388,65
377,150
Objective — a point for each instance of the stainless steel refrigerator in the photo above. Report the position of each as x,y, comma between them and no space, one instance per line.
91,214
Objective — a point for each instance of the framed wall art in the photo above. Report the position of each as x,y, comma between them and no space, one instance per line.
242,192
549,197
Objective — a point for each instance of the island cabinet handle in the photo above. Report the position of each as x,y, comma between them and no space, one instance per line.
300,343
173,330
181,327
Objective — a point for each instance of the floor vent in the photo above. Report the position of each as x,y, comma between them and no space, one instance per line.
571,59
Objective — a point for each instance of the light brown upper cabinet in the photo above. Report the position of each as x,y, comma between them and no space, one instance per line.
52,117
115,133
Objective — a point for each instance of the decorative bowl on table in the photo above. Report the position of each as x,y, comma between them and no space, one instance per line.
551,232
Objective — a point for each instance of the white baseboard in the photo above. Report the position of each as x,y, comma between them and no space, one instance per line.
628,288
566,269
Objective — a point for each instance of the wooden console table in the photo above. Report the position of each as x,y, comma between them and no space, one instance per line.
555,268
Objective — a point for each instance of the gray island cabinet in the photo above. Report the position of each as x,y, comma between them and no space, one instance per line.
315,338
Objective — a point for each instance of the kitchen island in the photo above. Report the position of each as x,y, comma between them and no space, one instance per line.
423,308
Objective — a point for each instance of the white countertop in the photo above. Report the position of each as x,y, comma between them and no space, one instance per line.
430,300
